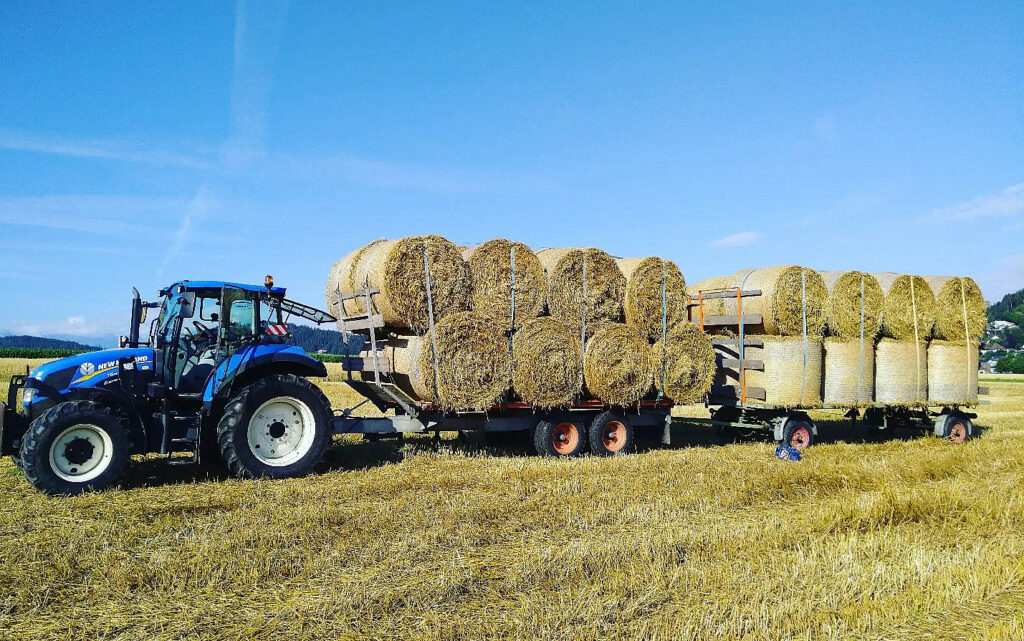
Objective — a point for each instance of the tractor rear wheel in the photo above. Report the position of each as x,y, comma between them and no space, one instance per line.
76,446
277,427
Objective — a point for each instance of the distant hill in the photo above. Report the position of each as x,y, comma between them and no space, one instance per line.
313,339
38,342
1010,309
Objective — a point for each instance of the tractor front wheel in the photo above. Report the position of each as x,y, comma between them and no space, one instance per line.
75,446
277,427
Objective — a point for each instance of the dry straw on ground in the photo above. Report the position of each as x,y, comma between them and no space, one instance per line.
903,295
843,307
787,292
958,302
952,372
547,367
618,365
792,374
685,370
655,292
397,268
605,285
901,372
849,372
493,277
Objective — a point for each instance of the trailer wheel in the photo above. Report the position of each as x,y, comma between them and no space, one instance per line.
957,429
75,446
798,434
561,435
610,433
278,427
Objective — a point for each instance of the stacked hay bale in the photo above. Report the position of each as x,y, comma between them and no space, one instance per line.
547,363
584,286
508,281
792,309
853,317
901,360
960,323
618,364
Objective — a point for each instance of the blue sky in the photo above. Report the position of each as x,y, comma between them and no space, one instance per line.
148,142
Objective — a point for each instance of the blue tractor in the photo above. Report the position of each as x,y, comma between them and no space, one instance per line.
216,377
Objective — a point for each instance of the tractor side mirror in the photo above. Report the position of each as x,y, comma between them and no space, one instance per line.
122,341
143,314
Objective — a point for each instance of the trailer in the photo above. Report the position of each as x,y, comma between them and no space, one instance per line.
586,424
740,410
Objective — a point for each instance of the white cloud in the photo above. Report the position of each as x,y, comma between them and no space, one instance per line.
1007,277
742,239
1008,202
71,326
198,207
99,215
101,149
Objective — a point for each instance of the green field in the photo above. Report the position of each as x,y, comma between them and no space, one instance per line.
869,537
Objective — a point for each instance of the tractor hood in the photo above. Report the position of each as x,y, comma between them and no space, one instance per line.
90,369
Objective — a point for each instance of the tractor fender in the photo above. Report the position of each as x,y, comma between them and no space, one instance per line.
116,400
780,425
261,366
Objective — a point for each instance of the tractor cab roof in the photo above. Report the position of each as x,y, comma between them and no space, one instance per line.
211,286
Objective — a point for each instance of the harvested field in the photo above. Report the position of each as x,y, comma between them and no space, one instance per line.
493,276
899,539
655,295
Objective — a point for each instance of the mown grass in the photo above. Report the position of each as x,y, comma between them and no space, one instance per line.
910,537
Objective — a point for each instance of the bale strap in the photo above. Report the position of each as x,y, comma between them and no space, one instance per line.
803,305
917,342
967,337
664,331
430,320
512,273
583,318
860,366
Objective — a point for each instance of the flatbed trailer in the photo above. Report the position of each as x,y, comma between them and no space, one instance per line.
739,410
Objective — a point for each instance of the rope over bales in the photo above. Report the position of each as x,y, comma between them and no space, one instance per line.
646,280
843,305
493,277
547,368
604,286
958,301
618,365
906,298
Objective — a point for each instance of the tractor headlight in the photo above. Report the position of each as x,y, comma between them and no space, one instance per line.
28,395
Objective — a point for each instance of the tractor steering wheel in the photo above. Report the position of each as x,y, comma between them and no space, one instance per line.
203,333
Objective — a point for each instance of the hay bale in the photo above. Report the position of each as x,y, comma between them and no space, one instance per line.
396,268
618,365
902,295
843,305
957,297
643,300
547,363
849,371
781,301
605,286
685,370
952,372
901,372
473,360
788,379
490,265
341,280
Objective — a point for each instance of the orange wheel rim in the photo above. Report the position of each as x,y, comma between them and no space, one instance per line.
958,432
613,436
800,438
565,438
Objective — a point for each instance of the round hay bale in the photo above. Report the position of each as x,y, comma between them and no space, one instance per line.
618,366
685,370
490,265
901,372
902,295
952,372
955,298
712,306
849,372
843,305
404,353
473,360
605,285
789,379
547,363
642,304
396,268
781,301
341,280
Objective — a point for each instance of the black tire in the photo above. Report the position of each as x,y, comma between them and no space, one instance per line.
233,429
611,434
798,433
561,435
54,423
957,429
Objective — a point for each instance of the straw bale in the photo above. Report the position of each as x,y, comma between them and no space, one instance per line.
490,265
849,372
781,301
685,370
643,301
618,364
605,285
955,298
843,305
952,372
900,301
547,363
786,371
901,372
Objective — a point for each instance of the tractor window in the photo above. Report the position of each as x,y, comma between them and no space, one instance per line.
209,309
242,319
